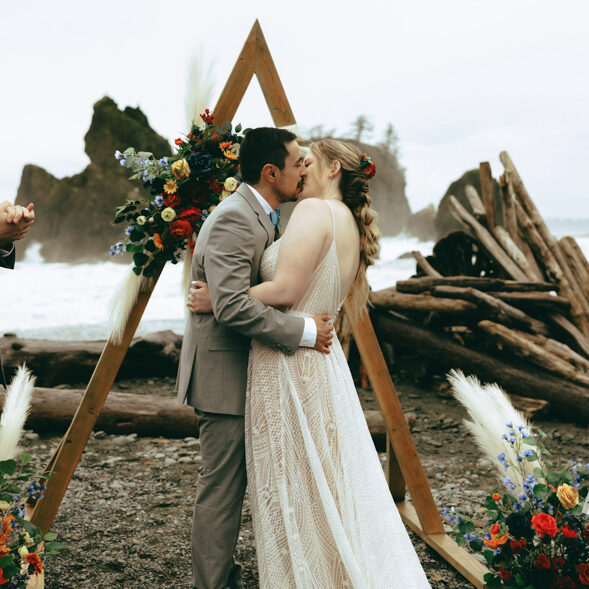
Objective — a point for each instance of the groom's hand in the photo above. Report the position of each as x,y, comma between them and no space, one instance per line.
199,299
324,332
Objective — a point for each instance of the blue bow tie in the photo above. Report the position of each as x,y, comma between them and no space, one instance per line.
274,217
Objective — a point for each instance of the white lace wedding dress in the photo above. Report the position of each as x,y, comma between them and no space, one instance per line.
322,512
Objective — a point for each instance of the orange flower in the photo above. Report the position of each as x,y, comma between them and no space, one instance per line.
170,187
496,496
4,550
229,155
157,240
35,561
567,495
495,541
225,145
2,578
7,524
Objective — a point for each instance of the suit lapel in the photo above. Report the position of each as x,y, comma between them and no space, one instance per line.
263,218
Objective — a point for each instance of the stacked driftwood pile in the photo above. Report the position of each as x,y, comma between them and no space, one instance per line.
517,312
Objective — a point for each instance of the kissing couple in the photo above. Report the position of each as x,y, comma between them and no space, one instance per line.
271,386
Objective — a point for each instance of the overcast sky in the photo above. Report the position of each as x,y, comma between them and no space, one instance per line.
460,80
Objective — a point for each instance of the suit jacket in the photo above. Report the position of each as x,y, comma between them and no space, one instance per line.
8,261
212,375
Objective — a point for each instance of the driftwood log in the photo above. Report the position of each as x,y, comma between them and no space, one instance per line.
55,362
52,411
568,399
425,283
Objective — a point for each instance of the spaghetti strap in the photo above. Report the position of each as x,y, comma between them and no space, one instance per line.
332,218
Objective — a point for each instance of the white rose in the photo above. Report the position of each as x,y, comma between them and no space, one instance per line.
26,538
168,214
230,184
4,506
141,220
23,552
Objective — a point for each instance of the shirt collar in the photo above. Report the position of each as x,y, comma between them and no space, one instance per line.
265,205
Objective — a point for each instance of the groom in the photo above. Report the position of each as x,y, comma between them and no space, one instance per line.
212,375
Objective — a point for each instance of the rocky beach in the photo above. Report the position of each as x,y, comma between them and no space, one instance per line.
125,518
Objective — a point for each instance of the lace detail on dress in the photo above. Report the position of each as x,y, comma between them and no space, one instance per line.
322,512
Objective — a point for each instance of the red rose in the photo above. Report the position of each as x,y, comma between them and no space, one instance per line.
563,583
583,570
180,229
494,528
522,543
585,532
370,170
190,215
545,525
179,141
505,574
557,562
568,532
172,200
542,562
514,545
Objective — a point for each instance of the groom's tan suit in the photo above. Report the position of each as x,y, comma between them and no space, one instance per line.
212,375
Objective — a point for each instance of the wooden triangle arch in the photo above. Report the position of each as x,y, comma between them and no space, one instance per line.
404,466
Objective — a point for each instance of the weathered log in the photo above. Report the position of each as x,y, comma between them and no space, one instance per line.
509,217
486,240
424,283
424,264
533,300
55,362
52,410
503,311
569,285
476,204
562,350
576,338
568,399
488,194
389,298
515,253
529,350
551,267
577,262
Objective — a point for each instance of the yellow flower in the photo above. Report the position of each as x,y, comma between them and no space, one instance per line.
141,220
170,187
168,214
181,169
212,208
23,552
26,538
224,195
567,495
4,506
230,184
229,154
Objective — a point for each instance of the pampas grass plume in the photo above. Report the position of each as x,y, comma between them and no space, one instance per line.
16,410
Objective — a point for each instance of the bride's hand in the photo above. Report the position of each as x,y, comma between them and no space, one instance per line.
199,299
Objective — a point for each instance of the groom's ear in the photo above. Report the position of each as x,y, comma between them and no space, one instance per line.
268,173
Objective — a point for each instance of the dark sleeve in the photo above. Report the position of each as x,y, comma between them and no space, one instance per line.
8,261
227,262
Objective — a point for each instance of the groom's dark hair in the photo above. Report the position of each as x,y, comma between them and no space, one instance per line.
261,146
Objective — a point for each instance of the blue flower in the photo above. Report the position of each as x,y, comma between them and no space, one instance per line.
501,457
128,230
204,214
504,437
467,537
497,551
512,440
159,201
528,453
118,154
522,497
163,161
516,507
509,424
123,163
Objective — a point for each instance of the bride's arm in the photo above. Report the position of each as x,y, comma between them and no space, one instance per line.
300,248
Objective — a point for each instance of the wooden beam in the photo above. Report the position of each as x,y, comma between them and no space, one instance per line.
66,458
397,427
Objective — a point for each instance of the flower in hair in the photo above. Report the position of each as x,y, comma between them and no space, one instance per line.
367,166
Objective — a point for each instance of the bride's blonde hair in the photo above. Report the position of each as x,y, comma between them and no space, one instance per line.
354,189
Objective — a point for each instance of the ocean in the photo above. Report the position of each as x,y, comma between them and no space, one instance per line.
72,302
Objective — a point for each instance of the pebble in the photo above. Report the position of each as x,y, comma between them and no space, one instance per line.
31,436
169,461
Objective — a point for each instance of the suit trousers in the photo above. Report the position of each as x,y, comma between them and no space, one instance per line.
219,497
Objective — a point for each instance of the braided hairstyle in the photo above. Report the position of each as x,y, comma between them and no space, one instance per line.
354,189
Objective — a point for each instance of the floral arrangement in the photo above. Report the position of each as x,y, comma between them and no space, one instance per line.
367,166
536,536
186,189
20,540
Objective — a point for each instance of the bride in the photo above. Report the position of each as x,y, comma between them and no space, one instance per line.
322,512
